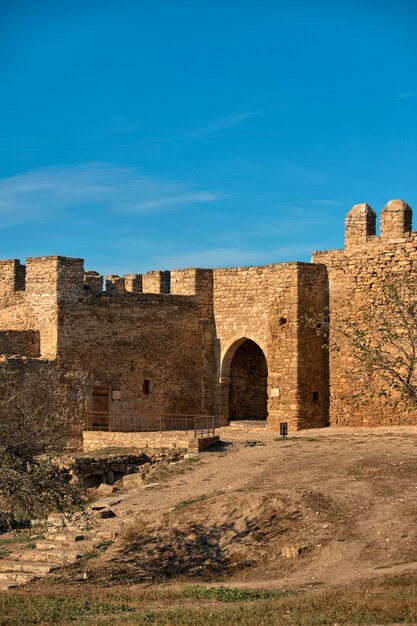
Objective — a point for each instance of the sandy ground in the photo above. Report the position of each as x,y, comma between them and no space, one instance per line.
347,498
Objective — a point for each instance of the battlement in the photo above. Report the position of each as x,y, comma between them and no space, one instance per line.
192,282
115,283
133,283
42,275
395,223
395,220
151,282
12,276
65,276
360,224
54,276
93,281
156,282
228,341
184,282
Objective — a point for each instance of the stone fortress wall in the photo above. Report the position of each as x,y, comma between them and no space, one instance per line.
355,275
200,341
266,305
114,339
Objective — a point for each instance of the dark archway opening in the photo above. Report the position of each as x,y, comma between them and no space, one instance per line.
248,383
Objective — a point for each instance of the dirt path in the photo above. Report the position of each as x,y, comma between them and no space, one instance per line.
352,494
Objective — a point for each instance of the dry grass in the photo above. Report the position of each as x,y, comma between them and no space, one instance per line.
385,601
165,471
16,539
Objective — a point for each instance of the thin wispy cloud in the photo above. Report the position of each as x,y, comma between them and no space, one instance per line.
406,94
48,191
172,200
233,256
227,122
258,226
213,257
216,126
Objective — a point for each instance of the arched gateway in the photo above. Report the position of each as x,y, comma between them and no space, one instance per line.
245,367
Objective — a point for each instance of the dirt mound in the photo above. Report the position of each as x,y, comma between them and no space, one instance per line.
226,534
325,510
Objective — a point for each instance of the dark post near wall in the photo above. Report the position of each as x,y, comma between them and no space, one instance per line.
283,429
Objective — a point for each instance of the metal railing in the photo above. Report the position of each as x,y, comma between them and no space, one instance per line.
198,425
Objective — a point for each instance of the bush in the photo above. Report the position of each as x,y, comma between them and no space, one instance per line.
30,484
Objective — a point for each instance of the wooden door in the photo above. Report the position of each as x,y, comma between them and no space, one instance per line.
101,408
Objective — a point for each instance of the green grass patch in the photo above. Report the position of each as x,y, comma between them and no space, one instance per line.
56,610
22,538
225,594
184,503
87,556
103,545
166,471
389,600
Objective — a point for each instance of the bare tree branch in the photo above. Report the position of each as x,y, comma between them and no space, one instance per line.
30,484
382,337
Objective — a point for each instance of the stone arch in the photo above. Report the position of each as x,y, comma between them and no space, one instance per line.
229,350
244,370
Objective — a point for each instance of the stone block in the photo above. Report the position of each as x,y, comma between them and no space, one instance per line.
132,481
105,489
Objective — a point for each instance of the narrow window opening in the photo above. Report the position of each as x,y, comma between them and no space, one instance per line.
315,396
147,387
282,321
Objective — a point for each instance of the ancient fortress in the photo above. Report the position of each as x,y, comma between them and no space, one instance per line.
225,342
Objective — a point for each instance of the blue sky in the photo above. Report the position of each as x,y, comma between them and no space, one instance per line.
153,135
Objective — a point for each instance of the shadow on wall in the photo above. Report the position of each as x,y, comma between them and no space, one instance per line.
20,343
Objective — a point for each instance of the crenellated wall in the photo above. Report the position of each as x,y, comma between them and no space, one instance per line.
30,296
15,313
116,338
123,336
165,342
355,275
156,282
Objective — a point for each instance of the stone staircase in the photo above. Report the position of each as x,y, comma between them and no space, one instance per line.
66,538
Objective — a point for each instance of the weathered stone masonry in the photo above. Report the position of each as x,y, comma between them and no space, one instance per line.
266,305
355,275
224,342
